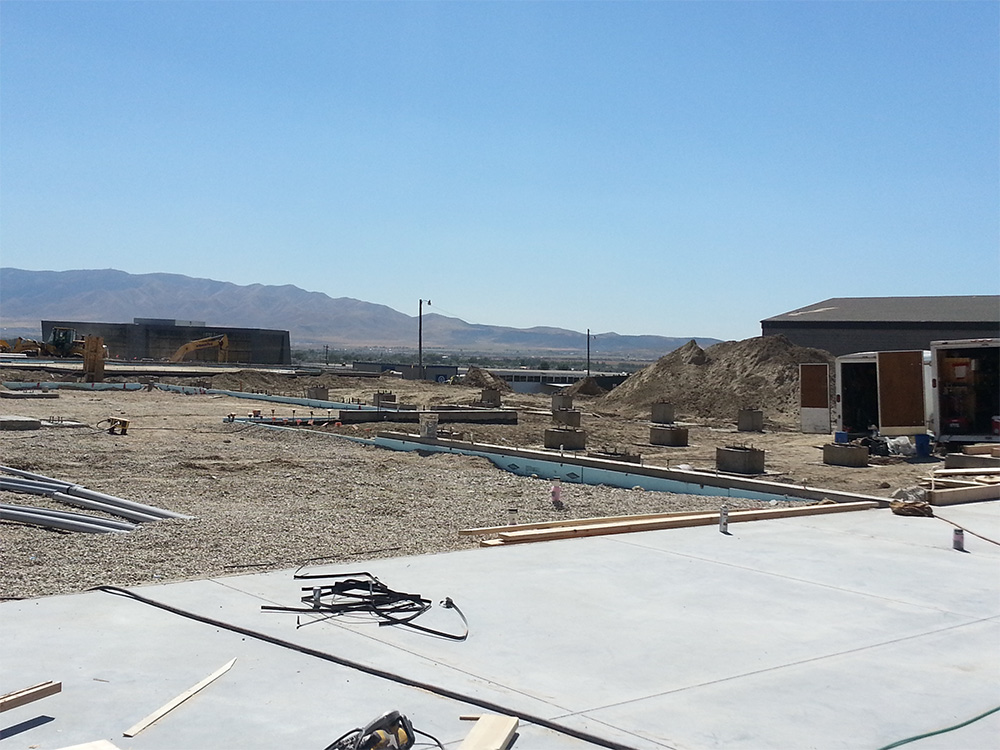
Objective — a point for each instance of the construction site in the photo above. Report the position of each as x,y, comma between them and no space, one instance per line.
705,556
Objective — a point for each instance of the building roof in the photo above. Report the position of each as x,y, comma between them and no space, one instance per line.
965,309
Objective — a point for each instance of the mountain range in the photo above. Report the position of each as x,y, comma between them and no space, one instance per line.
312,319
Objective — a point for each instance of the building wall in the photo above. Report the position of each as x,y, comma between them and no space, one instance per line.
847,338
160,340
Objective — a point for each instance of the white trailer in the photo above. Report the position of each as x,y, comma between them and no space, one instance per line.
885,391
966,390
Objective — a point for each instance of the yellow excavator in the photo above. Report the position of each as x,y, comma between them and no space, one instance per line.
209,342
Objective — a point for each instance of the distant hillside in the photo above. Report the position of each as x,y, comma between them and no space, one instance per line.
312,318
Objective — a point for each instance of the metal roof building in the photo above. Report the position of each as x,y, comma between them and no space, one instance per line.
843,325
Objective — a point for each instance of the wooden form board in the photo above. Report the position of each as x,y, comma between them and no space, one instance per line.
901,393
29,694
491,732
570,522
674,522
95,745
955,495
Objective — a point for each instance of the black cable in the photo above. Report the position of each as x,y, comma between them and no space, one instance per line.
374,671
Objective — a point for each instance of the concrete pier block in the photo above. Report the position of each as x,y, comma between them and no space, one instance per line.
662,413
750,420
562,401
566,438
740,460
674,436
568,417
840,454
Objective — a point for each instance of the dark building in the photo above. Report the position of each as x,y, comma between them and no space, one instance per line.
154,338
844,325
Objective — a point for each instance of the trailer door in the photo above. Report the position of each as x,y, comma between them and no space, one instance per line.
901,393
814,398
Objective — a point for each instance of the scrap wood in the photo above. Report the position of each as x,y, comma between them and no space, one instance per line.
29,694
95,745
166,708
698,519
491,732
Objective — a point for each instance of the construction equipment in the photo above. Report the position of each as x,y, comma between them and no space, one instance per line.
390,730
209,342
62,342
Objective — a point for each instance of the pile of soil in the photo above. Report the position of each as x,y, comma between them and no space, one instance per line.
480,378
715,383
585,387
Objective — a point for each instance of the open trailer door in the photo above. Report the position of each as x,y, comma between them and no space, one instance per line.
901,393
814,398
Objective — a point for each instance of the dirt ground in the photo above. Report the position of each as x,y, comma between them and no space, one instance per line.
265,499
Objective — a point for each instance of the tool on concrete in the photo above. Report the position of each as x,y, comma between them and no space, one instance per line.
390,730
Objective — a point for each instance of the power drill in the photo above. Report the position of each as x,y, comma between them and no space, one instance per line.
390,730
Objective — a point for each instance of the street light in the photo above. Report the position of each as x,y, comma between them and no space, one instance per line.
420,339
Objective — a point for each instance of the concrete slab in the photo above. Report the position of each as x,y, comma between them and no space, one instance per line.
14,422
843,631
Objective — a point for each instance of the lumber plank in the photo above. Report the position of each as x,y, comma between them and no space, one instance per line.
95,745
29,694
170,706
978,449
956,495
482,530
984,470
490,732
698,519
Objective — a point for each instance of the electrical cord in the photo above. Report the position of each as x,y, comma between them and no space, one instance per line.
364,593
940,731
374,671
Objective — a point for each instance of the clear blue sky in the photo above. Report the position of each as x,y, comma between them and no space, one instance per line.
672,168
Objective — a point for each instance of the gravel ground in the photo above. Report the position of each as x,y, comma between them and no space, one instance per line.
263,499
269,499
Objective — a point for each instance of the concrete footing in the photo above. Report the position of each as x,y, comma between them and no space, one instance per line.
750,420
12,422
662,413
840,454
566,439
568,417
672,436
740,460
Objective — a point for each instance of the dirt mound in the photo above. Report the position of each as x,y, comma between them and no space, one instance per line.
480,378
585,387
757,373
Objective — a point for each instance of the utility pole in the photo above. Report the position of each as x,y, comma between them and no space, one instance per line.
588,352
420,340
326,351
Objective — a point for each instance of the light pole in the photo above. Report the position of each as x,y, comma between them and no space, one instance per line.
420,339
